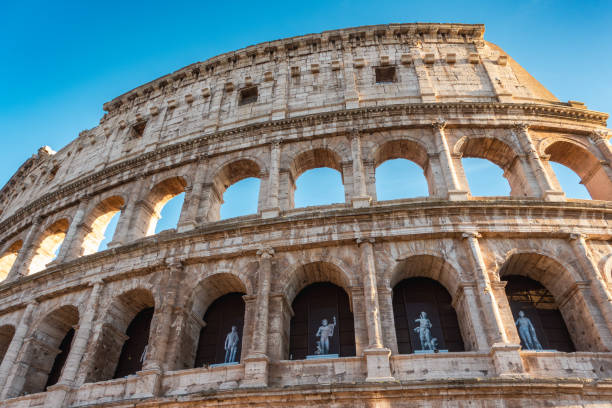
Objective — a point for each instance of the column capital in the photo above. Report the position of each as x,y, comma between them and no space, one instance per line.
363,240
265,252
355,133
573,236
175,264
521,127
276,142
439,124
599,135
471,234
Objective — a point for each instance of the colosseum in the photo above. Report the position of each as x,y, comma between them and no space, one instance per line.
448,300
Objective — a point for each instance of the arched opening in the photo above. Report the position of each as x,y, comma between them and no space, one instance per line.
48,245
240,198
6,335
46,350
402,171
322,323
570,182
8,259
134,348
220,339
537,316
316,178
109,232
425,320
216,306
170,213
229,175
121,346
483,178
590,170
555,280
98,221
150,210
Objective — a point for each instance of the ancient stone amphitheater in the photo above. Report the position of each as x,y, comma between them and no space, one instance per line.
448,300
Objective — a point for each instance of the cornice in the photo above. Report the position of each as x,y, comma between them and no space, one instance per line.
348,116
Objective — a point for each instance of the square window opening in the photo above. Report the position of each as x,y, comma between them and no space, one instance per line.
138,129
385,75
248,95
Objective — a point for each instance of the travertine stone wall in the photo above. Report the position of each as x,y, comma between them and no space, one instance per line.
451,95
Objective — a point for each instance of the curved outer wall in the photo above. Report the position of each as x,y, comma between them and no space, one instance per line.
451,95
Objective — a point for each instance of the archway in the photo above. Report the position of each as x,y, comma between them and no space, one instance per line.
48,246
160,195
8,259
6,335
425,320
229,175
322,323
97,222
316,173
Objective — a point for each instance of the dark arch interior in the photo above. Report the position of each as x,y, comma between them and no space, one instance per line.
6,335
539,306
223,313
415,295
134,348
60,359
313,304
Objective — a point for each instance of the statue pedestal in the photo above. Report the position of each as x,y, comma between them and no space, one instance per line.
317,356
223,364
378,365
429,351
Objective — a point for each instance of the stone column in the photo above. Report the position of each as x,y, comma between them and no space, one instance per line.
256,362
377,356
16,343
56,394
22,261
360,195
385,298
193,196
592,274
281,88
465,302
547,188
70,248
454,191
124,231
272,208
505,356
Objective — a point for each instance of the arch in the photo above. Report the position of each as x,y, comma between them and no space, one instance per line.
227,175
427,265
536,315
7,332
309,159
157,198
321,308
409,150
584,163
203,295
48,244
318,271
8,258
562,283
110,344
424,316
96,222
46,350
499,153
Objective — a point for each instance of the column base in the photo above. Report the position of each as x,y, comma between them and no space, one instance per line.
378,365
270,213
255,372
507,359
187,226
553,195
457,195
57,395
361,201
149,382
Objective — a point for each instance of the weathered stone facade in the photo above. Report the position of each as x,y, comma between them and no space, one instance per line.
273,111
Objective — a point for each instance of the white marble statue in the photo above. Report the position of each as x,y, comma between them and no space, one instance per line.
325,331
231,345
424,331
527,332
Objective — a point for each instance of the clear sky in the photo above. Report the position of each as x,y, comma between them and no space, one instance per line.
62,60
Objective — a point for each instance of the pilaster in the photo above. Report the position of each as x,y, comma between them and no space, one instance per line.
360,196
454,190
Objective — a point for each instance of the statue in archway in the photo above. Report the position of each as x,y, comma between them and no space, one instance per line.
324,332
424,331
231,345
527,332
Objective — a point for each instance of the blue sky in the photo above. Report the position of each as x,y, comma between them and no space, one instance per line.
62,60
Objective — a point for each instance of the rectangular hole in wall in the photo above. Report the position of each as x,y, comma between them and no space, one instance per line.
138,129
248,95
385,74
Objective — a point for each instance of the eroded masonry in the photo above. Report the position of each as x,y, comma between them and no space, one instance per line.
446,300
